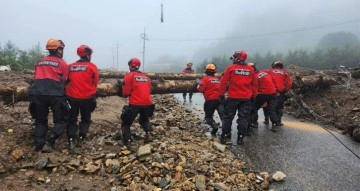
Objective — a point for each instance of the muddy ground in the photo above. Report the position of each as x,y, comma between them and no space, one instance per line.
182,156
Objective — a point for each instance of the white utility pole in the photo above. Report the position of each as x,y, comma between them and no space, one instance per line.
144,37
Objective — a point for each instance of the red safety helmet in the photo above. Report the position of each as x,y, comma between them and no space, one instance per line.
134,63
84,50
240,56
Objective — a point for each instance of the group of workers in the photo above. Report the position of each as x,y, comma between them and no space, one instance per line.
70,91
247,91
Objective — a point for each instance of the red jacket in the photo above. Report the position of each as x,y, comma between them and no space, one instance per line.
210,87
188,71
83,80
138,87
51,73
240,80
265,82
282,80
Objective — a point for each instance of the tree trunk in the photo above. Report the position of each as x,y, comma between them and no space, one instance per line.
151,75
300,84
15,94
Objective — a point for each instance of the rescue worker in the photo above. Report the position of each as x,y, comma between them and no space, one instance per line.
48,90
251,124
283,84
240,83
266,94
136,86
266,114
80,91
188,70
210,87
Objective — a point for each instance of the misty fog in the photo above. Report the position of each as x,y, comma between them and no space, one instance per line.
192,30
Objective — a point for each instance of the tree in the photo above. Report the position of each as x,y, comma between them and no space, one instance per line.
8,54
338,40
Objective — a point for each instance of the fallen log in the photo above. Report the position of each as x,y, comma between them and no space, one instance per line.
16,94
151,75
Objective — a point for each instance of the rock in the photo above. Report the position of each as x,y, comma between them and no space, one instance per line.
91,168
110,155
29,173
40,180
200,182
75,162
143,151
278,176
219,147
17,154
163,183
41,163
125,152
179,168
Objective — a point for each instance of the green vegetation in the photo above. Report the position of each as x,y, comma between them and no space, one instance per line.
18,59
333,50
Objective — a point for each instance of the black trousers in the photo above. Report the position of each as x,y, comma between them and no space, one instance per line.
243,108
271,100
209,107
59,107
84,108
190,95
128,116
280,105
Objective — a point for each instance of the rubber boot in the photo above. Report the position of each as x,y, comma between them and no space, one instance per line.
127,143
223,138
49,145
80,141
240,139
214,128
274,127
72,147
148,137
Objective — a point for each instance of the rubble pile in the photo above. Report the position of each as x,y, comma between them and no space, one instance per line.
182,156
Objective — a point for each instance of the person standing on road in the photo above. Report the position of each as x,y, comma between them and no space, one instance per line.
240,83
283,84
266,94
210,87
80,91
136,86
48,90
188,70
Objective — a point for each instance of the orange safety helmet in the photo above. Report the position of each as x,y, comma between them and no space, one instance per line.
134,63
210,67
240,56
54,44
84,50
277,64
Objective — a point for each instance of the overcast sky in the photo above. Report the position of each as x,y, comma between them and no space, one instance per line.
188,24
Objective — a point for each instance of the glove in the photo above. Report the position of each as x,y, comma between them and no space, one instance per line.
197,81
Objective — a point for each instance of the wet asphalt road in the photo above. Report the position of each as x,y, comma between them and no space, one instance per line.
311,157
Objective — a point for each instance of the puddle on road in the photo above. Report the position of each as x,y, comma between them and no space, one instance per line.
303,126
